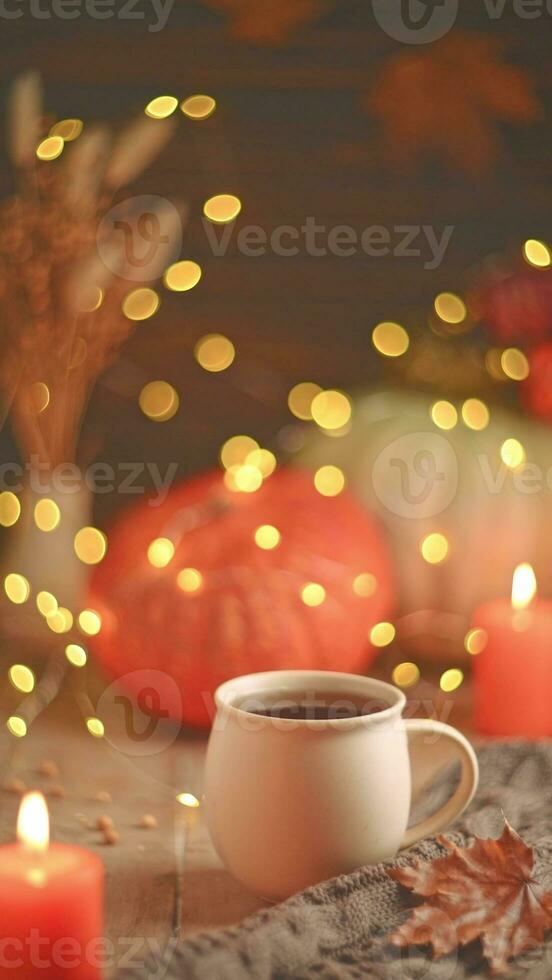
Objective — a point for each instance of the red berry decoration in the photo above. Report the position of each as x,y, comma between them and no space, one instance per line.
518,307
537,387
223,604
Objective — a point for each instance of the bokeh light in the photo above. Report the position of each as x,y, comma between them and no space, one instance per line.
434,548
96,727
50,148
390,339
444,414
267,537
329,480
301,397
90,545
47,515
46,603
10,509
189,580
22,678
188,799
160,552
331,409
182,276
159,401
60,621
222,208
68,129
76,655
263,459
89,301
161,107
236,450
475,414
17,588
537,253
246,478
450,308
313,594
214,352
406,674
141,303
512,453
451,680
365,584
90,622
198,106
17,726
475,641
514,364
40,396
493,365
382,634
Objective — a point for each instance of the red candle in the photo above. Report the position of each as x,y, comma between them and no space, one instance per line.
513,671
51,901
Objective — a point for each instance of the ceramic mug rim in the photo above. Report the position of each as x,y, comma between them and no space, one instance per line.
256,683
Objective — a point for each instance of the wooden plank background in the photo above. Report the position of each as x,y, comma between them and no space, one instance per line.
289,137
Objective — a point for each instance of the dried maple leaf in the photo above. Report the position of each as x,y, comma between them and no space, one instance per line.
485,891
270,22
446,101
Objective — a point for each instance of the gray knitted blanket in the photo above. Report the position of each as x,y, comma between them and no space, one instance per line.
337,930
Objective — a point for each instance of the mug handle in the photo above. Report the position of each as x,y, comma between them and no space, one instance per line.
469,779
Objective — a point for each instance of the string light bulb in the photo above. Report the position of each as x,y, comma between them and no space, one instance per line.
222,208
161,107
22,678
331,409
451,680
10,509
198,107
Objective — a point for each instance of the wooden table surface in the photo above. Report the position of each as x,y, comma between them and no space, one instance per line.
162,882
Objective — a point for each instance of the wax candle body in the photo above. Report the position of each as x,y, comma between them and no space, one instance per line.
513,672
51,906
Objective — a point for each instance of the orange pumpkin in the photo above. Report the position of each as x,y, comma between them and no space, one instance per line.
223,605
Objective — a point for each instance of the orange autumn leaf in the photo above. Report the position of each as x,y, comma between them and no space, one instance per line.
446,102
269,22
487,891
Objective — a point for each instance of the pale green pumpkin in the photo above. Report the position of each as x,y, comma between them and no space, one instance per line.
419,480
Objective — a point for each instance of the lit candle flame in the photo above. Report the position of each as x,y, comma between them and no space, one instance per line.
524,586
33,824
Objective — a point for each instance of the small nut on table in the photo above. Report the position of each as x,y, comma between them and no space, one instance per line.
49,768
110,836
56,791
14,786
105,823
103,796
148,821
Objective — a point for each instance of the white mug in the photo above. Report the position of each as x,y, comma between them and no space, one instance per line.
291,802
